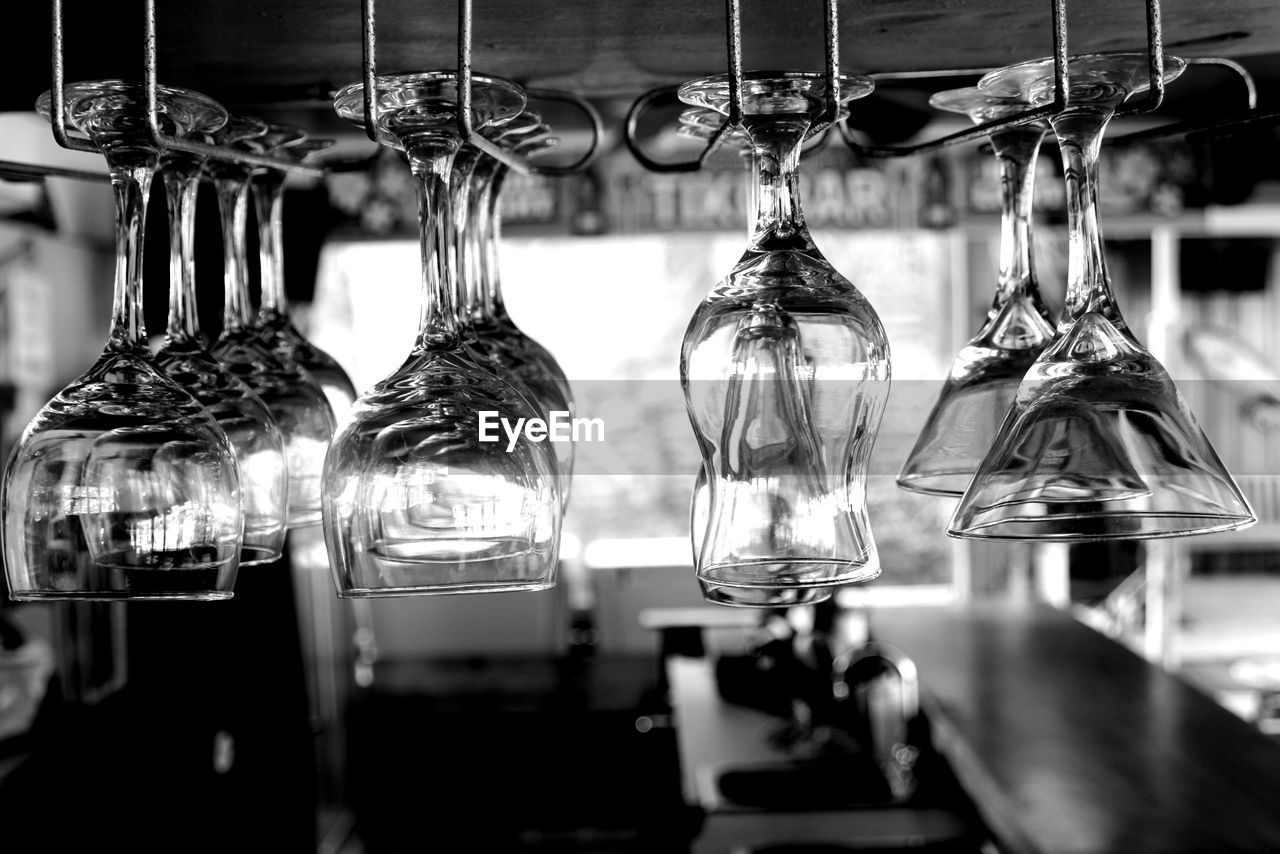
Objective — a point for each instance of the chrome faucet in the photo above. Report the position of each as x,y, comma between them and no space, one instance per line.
888,733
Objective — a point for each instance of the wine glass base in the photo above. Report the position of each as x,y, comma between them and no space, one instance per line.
119,596
763,597
443,589
944,484
774,574
1093,526
258,555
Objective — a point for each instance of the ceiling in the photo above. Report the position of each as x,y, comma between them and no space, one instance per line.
290,53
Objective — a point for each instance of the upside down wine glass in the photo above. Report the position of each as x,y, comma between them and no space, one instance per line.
184,356
415,501
488,324
785,370
986,372
701,123
294,398
275,325
123,486
1096,386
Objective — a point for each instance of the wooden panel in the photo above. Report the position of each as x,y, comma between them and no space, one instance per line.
269,52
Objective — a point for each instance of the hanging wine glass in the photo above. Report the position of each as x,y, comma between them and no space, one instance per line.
785,369
294,398
985,374
489,327
274,323
702,124
185,358
1096,390
123,486
415,501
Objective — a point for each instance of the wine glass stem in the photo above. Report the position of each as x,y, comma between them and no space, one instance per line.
233,205
431,166
491,236
775,144
268,199
1016,150
181,187
462,236
131,182
1079,131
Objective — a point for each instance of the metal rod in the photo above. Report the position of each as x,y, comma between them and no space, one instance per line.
971,134
464,75
1246,79
733,32
1061,95
597,131
368,50
1155,64
831,44
57,92
23,172
173,143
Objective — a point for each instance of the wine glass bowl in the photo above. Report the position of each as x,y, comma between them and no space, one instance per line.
124,486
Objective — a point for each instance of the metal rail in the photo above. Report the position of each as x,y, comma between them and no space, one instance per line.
166,142
464,77
1060,55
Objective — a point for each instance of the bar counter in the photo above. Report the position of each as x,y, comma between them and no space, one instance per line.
1068,742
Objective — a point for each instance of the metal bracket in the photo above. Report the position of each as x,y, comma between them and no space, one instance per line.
58,118
733,48
1058,11
464,76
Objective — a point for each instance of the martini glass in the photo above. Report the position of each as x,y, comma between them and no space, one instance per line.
274,324
184,357
123,486
489,325
785,369
416,501
294,397
986,372
1096,387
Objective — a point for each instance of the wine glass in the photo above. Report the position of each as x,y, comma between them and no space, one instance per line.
489,328
274,324
294,397
702,124
785,369
986,372
1095,389
184,356
416,501
123,486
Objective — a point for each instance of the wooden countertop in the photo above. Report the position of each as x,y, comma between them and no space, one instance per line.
1068,742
